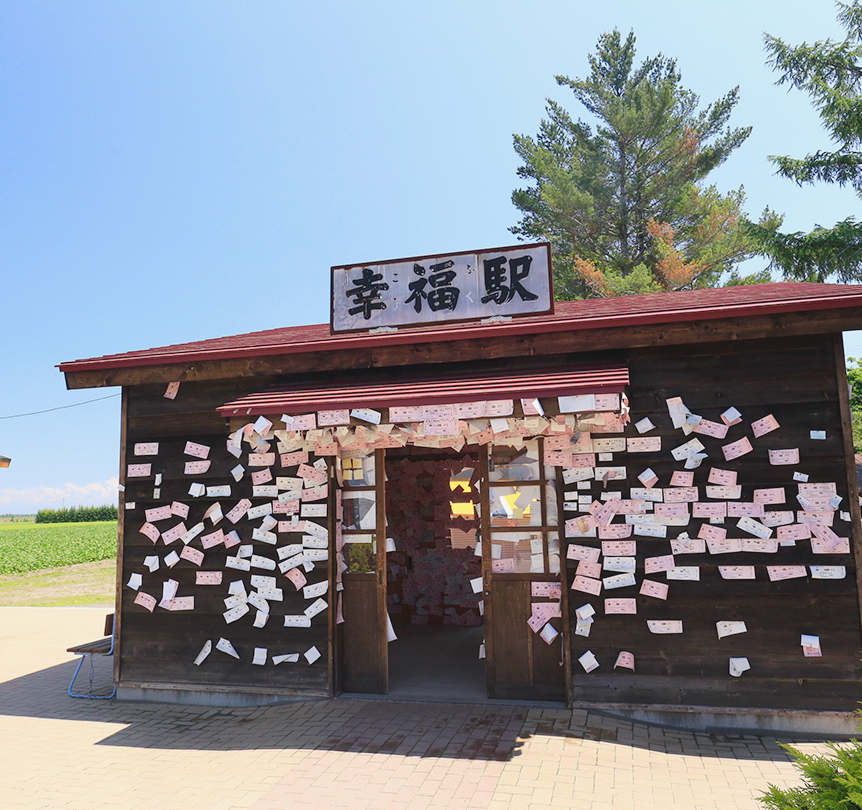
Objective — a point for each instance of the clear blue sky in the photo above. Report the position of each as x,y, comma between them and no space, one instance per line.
173,171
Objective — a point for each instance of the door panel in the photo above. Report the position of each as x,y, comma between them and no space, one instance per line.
365,655
362,670
520,666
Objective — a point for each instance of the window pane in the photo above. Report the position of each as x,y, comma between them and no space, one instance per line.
515,464
553,516
359,510
517,553
358,472
516,506
358,557
553,553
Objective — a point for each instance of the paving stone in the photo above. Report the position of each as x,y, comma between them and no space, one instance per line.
343,753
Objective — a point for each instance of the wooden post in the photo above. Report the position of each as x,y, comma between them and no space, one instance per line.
121,530
849,465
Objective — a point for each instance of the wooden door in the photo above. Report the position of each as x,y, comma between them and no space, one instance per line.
364,652
520,664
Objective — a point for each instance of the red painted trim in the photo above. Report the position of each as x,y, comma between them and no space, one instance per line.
611,378
850,296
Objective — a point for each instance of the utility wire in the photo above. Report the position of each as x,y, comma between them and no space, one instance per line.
60,408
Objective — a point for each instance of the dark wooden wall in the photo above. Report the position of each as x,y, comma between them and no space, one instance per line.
161,647
795,380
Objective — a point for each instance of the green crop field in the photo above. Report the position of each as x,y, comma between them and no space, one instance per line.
36,546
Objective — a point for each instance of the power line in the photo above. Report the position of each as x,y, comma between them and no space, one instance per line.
60,408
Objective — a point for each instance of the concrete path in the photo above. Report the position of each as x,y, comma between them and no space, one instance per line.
58,752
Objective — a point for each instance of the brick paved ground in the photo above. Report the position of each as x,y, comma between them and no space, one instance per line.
63,753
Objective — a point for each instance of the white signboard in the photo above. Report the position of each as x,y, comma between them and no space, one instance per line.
436,289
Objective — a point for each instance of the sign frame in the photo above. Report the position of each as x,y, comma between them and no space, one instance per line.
415,324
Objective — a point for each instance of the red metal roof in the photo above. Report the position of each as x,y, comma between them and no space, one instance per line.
657,308
605,378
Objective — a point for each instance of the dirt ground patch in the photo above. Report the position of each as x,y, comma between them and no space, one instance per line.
89,584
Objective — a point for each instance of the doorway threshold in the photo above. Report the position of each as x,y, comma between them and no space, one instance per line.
452,699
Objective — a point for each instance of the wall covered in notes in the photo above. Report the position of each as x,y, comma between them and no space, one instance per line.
226,575
689,542
719,552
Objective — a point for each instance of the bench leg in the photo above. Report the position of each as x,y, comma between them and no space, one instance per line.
92,675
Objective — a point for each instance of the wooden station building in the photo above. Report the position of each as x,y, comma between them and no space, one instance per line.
643,500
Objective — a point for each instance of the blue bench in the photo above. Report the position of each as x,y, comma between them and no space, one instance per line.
88,651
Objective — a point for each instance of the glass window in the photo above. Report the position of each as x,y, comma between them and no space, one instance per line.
358,555
553,553
358,472
515,464
359,510
516,506
518,553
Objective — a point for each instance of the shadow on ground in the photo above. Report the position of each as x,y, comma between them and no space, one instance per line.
474,732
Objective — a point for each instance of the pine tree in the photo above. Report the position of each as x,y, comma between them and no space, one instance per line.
623,203
831,73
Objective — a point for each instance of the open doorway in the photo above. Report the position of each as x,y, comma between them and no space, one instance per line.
432,512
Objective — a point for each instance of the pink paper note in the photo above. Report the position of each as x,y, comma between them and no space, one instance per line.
716,430
763,426
311,474
653,565
196,467
589,569
587,585
796,531
657,590
709,532
213,539
179,509
626,660
783,457
736,449
709,510
172,390
297,578
769,496
263,476
148,530
615,531
326,418
157,513
680,495
193,555
294,459
742,509
197,450
779,572
576,552
680,478
670,510
725,478
138,470
621,606
145,601
619,548
307,421
208,577
174,533
239,510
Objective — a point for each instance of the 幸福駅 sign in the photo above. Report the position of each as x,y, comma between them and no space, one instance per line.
471,285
